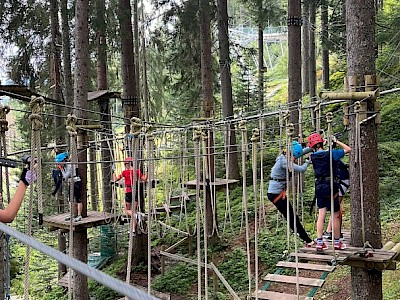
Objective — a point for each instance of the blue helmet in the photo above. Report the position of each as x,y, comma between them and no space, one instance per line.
297,149
61,157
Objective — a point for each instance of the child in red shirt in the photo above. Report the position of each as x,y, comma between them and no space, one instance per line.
131,175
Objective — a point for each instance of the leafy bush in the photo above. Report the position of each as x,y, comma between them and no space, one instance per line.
234,269
177,279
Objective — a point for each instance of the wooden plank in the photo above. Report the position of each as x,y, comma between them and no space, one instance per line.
294,279
278,296
305,266
318,257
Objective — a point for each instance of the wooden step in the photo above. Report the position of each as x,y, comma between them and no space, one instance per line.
318,257
305,266
294,279
278,296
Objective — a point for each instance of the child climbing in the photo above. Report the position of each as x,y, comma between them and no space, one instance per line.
321,160
277,189
131,176
70,174
343,178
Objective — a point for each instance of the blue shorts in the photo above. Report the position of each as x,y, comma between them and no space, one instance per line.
323,194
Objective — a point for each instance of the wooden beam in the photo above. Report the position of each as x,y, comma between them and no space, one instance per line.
294,280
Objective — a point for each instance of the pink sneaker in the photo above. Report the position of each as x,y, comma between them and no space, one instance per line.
322,246
339,245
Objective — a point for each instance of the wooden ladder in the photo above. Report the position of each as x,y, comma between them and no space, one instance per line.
290,280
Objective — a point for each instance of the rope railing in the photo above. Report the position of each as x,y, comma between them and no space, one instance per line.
117,285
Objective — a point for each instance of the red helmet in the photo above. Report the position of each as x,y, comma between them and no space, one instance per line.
314,139
128,160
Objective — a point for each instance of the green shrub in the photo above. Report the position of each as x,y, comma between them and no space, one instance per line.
177,279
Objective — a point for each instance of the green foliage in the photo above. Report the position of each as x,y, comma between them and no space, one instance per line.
271,245
389,129
234,269
177,279
336,80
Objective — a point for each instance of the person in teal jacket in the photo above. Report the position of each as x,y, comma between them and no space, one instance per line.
277,189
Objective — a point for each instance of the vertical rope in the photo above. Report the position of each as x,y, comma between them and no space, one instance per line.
357,107
228,212
150,156
206,181
262,218
289,133
196,139
243,128
72,131
255,139
329,118
135,128
289,164
36,120
4,110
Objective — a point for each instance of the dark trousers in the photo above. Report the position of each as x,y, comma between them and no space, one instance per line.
281,205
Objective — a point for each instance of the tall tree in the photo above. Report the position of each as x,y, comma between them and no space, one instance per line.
66,54
56,85
360,29
324,42
208,109
294,64
130,100
104,105
305,52
226,88
311,49
80,237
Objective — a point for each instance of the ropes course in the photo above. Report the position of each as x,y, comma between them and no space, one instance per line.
176,164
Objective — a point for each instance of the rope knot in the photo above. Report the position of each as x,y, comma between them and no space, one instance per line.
197,134
243,125
36,120
136,125
290,129
71,124
36,104
357,107
256,135
149,132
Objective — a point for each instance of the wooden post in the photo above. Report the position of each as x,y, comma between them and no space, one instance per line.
190,241
215,278
162,260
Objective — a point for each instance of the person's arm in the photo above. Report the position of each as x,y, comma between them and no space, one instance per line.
346,148
8,214
116,178
302,168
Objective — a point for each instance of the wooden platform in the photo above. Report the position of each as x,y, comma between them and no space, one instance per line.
218,183
93,219
354,256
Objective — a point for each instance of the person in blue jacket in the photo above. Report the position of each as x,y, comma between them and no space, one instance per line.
321,161
277,189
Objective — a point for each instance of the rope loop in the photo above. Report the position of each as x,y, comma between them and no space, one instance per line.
136,125
329,117
71,124
290,129
357,106
286,115
255,135
149,132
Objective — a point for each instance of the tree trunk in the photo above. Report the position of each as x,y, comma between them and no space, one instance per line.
294,46
81,104
58,111
261,67
130,100
312,61
93,177
104,106
325,49
66,51
305,51
129,92
226,89
208,107
360,24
